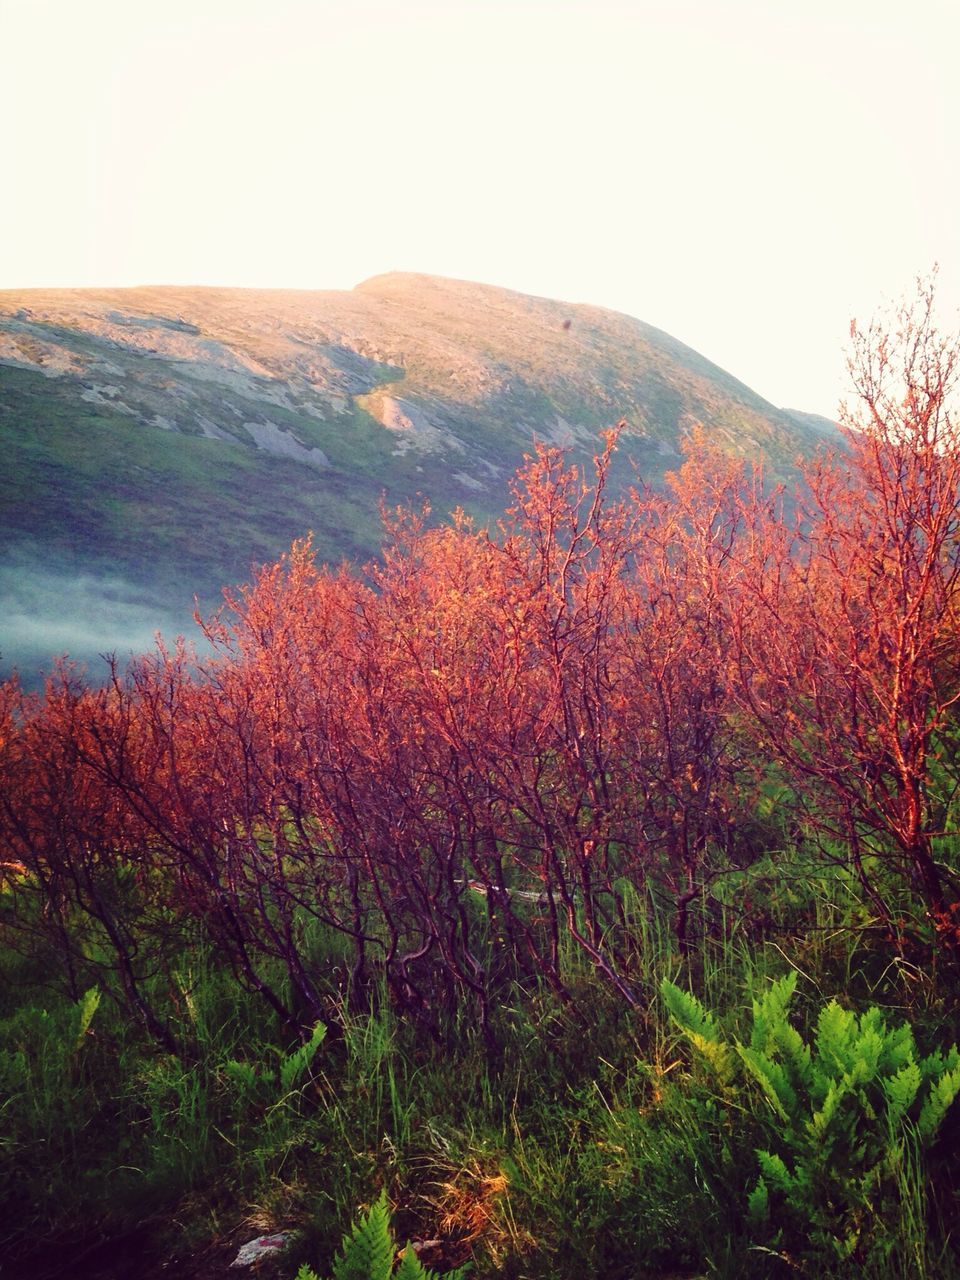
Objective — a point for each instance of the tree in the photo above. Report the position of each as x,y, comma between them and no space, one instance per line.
686,770
848,629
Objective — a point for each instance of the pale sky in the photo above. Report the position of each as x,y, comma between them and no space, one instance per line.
745,175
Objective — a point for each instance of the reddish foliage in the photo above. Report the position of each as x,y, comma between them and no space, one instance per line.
847,631
490,744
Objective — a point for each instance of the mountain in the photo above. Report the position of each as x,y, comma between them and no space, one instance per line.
158,442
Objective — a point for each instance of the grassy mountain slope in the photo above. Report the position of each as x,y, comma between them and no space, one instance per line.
159,441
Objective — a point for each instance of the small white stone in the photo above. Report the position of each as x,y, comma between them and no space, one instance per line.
265,1246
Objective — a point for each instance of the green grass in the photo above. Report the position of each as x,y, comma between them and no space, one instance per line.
156,504
591,1144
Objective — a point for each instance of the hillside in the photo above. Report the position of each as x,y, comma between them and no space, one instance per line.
159,441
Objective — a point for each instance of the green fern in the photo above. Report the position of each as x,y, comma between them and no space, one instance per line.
243,1074
411,1268
758,1204
821,1120
939,1063
842,1116
901,1091
700,1029
294,1066
834,1038
898,1047
772,1033
937,1103
368,1252
773,1079
774,1171
769,1012
88,1007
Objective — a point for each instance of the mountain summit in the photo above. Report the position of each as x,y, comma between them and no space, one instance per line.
158,441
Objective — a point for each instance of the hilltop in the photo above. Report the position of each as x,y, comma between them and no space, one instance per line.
159,441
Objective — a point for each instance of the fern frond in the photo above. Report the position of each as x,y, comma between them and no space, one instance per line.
411,1268
901,1091
367,1252
835,1037
773,1080
295,1064
820,1121
898,1049
88,1007
873,1019
770,1012
867,1049
700,1029
758,1203
242,1073
688,1012
937,1104
719,1057
936,1063
774,1170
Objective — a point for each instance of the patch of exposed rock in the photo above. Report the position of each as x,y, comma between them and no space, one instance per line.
284,444
412,425
565,434
25,351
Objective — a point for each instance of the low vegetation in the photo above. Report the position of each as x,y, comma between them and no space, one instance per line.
585,893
